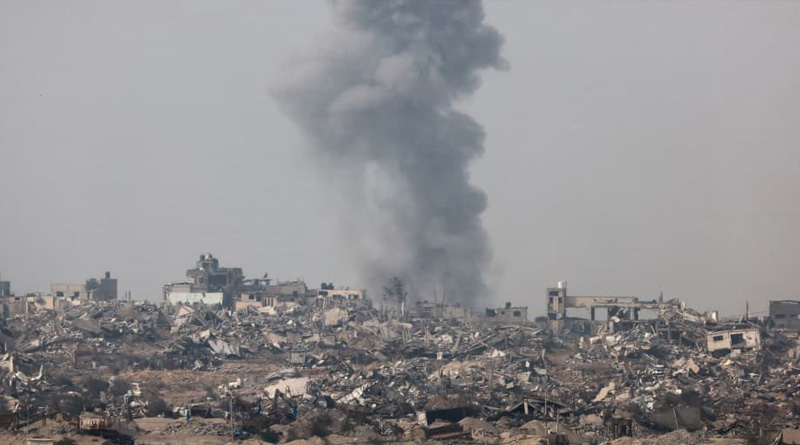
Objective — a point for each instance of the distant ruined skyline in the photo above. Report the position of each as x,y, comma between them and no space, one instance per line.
632,148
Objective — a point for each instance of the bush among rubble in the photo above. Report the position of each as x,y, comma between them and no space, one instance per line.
259,425
95,386
72,405
318,425
120,387
157,406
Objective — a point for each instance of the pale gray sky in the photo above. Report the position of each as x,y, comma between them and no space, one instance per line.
633,147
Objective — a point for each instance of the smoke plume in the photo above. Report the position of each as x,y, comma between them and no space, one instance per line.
376,101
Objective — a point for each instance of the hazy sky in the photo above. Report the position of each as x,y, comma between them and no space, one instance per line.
632,148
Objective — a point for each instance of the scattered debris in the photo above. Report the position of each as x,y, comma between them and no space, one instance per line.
346,370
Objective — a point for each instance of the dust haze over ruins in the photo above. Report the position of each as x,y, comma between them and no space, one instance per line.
198,217
620,155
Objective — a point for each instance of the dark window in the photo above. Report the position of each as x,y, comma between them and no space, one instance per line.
718,338
517,314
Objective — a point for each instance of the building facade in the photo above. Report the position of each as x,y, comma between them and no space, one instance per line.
508,314
5,288
207,283
785,314
103,289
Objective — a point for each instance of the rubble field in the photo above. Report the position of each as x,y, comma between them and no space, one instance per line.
135,372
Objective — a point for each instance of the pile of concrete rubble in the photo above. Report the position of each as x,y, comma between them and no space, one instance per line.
361,372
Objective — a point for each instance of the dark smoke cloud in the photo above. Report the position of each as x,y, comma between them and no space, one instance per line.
376,100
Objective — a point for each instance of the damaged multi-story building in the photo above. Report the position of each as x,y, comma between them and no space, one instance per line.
508,314
12,305
211,284
735,337
671,320
621,311
261,293
785,314
93,290
328,296
103,289
505,315
207,283
5,288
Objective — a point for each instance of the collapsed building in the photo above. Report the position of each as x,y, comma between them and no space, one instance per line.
454,311
348,369
14,305
60,296
621,310
328,296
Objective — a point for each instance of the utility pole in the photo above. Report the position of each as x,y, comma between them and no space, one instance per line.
233,422
28,423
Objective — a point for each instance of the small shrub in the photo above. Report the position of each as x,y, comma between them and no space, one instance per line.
71,405
94,386
119,387
157,406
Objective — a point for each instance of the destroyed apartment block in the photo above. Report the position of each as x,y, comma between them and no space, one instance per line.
215,286
508,314
745,338
440,310
622,312
328,296
104,289
785,314
61,296
15,305
207,283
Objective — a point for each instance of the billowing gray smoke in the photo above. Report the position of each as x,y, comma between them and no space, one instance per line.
377,101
